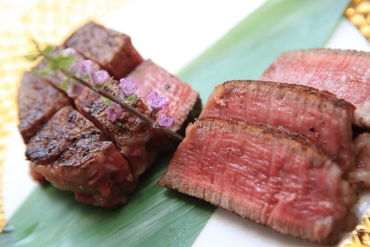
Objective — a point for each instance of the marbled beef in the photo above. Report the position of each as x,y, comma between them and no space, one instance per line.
342,72
318,115
264,174
37,101
71,153
110,49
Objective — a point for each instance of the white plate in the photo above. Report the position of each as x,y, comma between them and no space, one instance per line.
172,33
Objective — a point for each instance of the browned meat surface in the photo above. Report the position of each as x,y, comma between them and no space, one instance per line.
264,174
70,152
319,116
111,49
361,171
184,102
38,100
132,136
342,72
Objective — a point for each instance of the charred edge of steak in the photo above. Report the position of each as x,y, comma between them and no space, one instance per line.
193,114
58,134
298,88
38,100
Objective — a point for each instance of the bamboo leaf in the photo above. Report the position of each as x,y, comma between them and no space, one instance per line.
156,216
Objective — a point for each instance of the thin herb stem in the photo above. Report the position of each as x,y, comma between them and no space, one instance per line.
127,107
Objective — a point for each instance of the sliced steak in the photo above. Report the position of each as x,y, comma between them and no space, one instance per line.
132,136
70,152
38,100
264,174
342,72
184,102
318,115
111,49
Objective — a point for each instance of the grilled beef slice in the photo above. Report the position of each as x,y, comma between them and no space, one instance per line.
184,102
37,100
318,115
132,136
344,73
71,153
110,49
264,174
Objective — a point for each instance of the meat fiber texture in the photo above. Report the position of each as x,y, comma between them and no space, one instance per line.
184,102
133,137
72,154
344,73
264,174
318,115
110,49
37,101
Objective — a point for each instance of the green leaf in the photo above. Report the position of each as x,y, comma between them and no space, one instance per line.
48,49
107,101
32,57
43,72
156,216
60,62
131,98
65,85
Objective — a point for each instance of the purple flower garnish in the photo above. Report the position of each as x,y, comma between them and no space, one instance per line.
75,89
157,102
128,86
85,67
70,52
113,111
100,77
165,121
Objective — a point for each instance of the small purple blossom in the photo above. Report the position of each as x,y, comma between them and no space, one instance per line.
69,52
113,111
157,102
100,77
85,67
128,86
165,121
75,89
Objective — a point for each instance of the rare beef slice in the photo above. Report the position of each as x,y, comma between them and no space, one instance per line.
318,115
268,175
344,73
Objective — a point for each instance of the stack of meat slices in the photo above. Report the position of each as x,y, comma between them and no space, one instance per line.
345,73
72,144
274,153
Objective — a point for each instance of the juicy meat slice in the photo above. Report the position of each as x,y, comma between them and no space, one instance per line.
132,136
71,153
37,100
318,115
184,102
264,174
108,48
342,72
360,173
